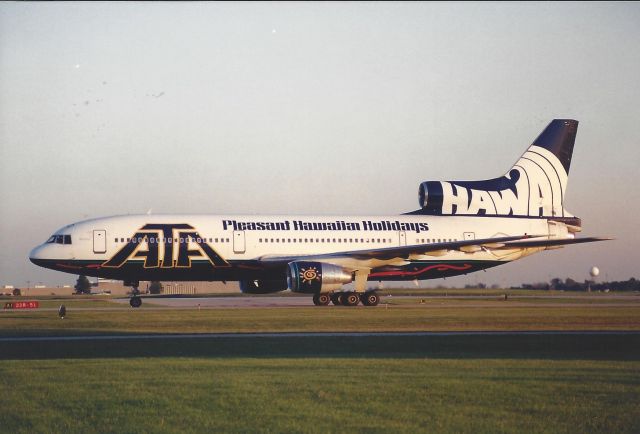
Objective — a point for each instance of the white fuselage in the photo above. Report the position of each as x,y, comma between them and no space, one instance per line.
164,244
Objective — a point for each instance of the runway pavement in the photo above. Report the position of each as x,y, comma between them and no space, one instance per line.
179,336
406,301
616,345
398,301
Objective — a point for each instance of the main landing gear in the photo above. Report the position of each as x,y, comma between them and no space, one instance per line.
350,298
135,300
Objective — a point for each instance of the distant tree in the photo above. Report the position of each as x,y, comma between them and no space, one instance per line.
538,285
569,284
83,286
556,283
16,292
155,287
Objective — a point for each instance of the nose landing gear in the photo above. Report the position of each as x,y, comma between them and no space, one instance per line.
135,300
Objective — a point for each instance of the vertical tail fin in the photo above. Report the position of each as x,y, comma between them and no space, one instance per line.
535,186
559,138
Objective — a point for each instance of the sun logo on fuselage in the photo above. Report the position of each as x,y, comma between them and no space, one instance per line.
310,274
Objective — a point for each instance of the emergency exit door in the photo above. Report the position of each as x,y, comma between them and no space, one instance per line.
402,238
99,241
239,244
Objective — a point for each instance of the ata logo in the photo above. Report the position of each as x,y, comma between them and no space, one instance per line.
166,246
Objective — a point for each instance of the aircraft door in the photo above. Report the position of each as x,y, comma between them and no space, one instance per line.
99,241
239,244
469,235
402,237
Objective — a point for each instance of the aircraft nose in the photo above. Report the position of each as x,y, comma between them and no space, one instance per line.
36,256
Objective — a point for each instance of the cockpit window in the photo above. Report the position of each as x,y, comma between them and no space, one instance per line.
59,239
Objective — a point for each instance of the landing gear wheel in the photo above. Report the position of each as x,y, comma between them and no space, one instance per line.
321,299
336,298
135,301
351,299
370,298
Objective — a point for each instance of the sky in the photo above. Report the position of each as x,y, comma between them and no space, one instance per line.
311,108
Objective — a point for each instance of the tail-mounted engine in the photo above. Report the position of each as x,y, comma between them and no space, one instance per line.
316,277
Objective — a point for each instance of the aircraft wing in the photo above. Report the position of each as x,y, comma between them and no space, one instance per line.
435,249
551,242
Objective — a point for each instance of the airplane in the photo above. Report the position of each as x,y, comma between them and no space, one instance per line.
460,227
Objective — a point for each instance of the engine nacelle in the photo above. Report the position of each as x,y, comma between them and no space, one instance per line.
260,286
316,277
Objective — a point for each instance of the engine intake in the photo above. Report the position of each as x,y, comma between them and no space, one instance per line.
316,277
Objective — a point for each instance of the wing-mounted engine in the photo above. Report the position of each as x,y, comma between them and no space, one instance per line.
260,286
316,277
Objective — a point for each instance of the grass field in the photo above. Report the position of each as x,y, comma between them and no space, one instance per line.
556,383
465,315
319,395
